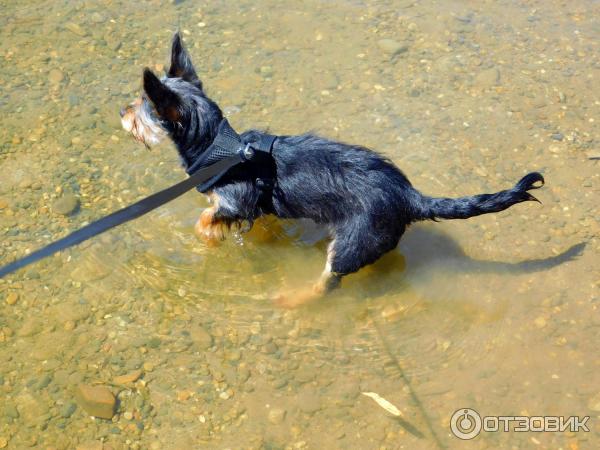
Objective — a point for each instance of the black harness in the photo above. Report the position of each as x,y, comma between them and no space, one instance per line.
227,150
227,143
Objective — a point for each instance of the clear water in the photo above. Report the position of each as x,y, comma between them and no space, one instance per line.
482,93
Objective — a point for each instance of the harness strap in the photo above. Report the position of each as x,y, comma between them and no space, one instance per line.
264,184
264,144
225,143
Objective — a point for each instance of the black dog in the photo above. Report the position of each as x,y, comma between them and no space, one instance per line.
365,200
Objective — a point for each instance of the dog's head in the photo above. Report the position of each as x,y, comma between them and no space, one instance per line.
174,106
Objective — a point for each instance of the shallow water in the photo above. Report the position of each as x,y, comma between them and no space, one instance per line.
478,94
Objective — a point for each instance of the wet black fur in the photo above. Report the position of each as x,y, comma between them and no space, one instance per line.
365,200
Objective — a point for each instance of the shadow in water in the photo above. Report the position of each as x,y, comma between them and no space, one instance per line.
424,251
426,247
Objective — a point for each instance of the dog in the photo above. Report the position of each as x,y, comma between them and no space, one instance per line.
362,198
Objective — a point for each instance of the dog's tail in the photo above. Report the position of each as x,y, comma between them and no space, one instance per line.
464,207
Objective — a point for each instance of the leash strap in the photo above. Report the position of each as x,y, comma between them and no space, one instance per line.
226,151
128,213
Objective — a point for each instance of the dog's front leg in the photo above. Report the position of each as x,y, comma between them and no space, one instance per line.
212,223
233,206
209,227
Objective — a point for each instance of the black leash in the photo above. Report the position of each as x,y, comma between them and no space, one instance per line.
228,151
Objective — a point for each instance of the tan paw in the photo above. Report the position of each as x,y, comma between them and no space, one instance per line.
294,299
208,229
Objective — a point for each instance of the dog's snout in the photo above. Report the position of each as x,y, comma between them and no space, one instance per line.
123,111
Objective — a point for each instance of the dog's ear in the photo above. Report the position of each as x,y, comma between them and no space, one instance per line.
166,102
181,63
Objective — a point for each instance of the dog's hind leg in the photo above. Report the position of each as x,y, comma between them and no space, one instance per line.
327,282
363,241
356,244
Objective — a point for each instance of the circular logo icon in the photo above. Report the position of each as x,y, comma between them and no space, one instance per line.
465,423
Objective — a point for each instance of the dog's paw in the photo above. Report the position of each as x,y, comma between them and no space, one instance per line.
297,298
208,229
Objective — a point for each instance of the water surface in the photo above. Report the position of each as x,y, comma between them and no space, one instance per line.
476,95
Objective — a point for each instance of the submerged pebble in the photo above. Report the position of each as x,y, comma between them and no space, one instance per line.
487,78
75,28
66,205
199,321
12,298
392,47
97,401
68,409
128,378
276,415
55,76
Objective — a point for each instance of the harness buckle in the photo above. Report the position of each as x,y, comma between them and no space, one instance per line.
248,152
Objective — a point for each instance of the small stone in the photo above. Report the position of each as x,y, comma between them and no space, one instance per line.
154,342
329,80
128,415
11,412
66,205
75,28
97,401
558,136
31,326
201,338
540,322
12,298
593,154
233,355
280,383
310,403
392,47
3,204
3,442
266,71
68,410
55,76
44,382
276,415
97,17
128,378
269,348
488,78
182,396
